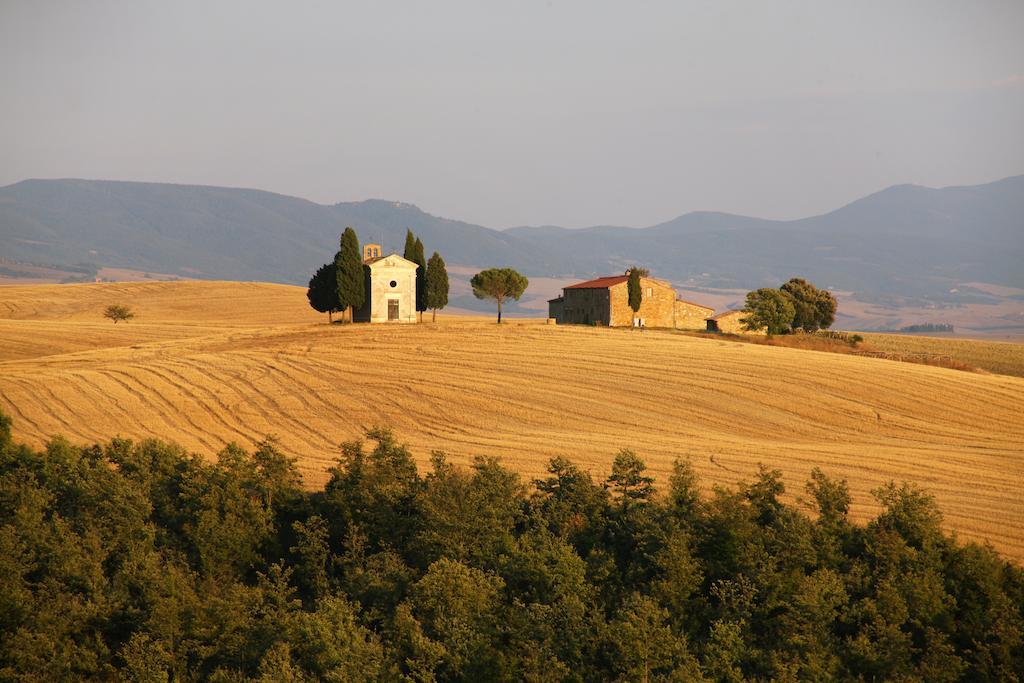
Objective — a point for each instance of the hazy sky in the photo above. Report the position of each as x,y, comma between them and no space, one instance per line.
520,112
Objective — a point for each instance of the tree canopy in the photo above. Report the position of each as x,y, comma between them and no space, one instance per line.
768,309
796,305
139,561
323,290
118,312
499,284
813,309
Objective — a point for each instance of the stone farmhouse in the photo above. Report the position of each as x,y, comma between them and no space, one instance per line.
605,301
390,288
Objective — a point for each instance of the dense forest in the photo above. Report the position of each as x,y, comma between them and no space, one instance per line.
141,562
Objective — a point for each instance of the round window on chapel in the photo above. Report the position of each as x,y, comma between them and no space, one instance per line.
394,284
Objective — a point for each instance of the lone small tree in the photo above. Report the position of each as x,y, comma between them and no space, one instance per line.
437,285
421,277
770,309
815,309
323,290
118,312
498,284
349,273
635,291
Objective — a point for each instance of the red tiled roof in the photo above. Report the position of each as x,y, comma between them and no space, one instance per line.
600,283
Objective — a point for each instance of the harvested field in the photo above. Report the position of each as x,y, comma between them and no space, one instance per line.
1006,358
205,363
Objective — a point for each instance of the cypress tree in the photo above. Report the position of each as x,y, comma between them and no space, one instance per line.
410,245
635,291
349,265
437,284
421,277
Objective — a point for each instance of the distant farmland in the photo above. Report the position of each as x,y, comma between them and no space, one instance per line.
205,363
1005,358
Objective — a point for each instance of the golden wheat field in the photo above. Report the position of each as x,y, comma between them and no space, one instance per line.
1006,358
205,363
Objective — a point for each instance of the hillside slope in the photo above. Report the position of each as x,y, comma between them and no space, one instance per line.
905,241
206,363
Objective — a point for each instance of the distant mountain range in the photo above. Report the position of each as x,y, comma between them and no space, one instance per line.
905,241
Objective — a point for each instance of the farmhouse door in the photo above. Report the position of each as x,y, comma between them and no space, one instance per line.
392,309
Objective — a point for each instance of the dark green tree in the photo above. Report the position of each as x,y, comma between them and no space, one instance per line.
323,290
635,291
684,492
376,492
458,607
118,312
768,309
571,504
644,647
409,252
349,271
814,309
499,284
469,516
312,553
628,480
138,561
332,645
436,284
421,277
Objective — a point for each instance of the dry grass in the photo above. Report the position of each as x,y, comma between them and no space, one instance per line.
1005,358
207,363
806,342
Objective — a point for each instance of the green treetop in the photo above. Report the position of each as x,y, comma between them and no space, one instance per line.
499,284
768,309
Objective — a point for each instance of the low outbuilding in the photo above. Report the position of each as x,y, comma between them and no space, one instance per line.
730,322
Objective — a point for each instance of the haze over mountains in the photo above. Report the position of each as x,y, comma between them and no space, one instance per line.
903,243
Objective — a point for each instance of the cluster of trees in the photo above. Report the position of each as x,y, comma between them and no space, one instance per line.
796,305
341,285
431,277
137,561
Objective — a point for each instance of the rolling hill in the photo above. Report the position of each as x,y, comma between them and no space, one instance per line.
205,363
906,245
